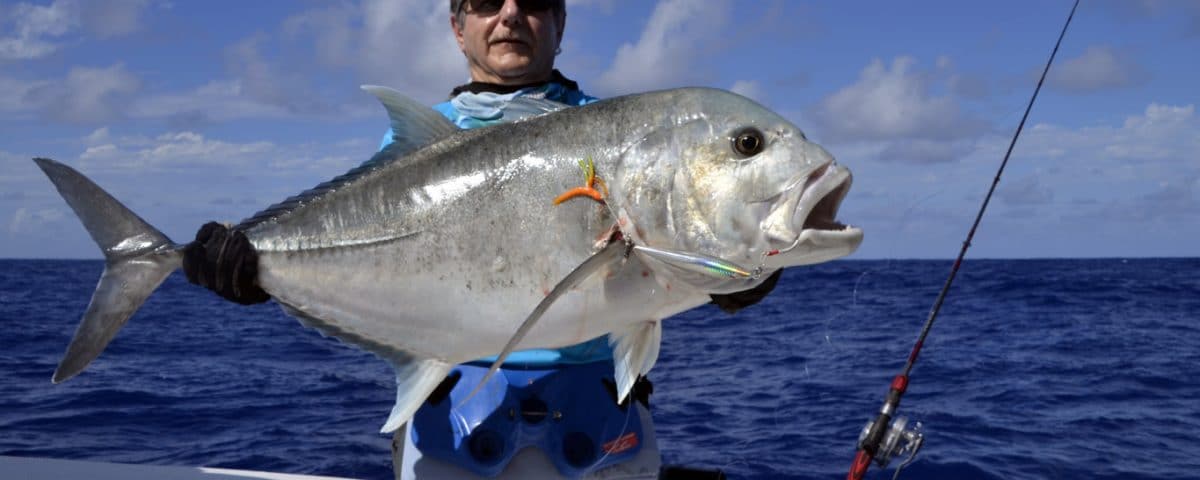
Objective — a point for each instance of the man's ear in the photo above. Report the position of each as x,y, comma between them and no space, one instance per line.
458,33
562,25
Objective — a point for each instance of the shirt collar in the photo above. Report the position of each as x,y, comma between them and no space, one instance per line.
481,87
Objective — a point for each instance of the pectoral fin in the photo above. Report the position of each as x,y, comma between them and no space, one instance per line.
634,353
609,254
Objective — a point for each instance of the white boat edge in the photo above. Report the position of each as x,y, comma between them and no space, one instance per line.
529,464
34,468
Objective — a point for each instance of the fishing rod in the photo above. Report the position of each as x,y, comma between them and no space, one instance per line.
882,439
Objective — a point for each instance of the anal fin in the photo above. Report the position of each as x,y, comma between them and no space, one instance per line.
416,375
416,378
635,350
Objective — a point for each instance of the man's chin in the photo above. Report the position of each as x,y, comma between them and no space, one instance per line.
517,72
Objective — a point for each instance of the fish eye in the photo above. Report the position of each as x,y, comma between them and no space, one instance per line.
748,142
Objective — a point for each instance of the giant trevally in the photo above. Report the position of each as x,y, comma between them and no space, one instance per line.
436,250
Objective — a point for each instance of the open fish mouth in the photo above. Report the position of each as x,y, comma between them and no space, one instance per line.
804,222
827,187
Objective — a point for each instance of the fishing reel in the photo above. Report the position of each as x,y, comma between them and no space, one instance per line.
898,440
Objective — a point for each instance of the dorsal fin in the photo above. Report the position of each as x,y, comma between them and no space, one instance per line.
526,107
414,125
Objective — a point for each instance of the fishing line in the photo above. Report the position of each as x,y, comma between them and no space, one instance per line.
887,264
872,438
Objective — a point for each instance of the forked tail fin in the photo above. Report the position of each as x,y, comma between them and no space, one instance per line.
137,259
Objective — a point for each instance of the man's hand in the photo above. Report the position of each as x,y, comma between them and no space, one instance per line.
224,261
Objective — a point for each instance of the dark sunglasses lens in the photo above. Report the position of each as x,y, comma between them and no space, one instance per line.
486,7
535,6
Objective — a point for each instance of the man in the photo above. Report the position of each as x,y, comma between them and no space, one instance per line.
510,46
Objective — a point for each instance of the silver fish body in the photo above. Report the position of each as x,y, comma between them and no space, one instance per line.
434,252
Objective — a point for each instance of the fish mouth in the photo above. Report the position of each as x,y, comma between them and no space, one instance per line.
804,222
827,186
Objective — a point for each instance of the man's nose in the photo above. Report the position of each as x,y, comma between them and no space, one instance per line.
511,12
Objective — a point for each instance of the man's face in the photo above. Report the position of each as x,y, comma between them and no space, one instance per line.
507,44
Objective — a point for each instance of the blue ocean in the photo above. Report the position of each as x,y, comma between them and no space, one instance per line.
1035,369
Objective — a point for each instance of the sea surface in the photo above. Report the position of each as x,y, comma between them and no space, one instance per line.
1035,369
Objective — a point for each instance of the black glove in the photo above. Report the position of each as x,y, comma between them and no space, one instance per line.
224,261
732,302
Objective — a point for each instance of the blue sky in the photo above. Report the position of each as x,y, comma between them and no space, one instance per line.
197,111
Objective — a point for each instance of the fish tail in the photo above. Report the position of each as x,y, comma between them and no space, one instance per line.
137,259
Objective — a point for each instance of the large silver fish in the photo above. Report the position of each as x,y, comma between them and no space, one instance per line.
437,250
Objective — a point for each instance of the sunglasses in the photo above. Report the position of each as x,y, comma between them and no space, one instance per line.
490,7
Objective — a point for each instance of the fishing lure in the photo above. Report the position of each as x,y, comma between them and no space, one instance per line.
589,188
700,263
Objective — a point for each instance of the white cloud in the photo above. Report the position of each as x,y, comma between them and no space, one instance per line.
181,179
1098,68
943,62
1143,169
1162,120
381,40
86,95
254,88
176,149
35,28
112,17
25,220
1188,11
24,48
665,55
40,30
10,169
968,85
13,94
891,103
1025,191
920,151
748,89
1089,189
1161,135
182,153
233,99
1173,199
98,135
215,101
265,83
